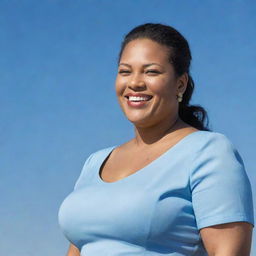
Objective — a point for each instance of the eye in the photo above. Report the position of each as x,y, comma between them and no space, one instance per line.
153,71
122,71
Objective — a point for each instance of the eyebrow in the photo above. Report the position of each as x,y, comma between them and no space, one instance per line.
145,65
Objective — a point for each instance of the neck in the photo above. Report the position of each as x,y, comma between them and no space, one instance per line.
145,136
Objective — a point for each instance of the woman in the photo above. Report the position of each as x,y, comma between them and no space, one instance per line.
176,188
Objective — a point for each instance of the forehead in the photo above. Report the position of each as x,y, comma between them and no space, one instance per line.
145,50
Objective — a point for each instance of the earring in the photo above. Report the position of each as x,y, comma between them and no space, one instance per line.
179,97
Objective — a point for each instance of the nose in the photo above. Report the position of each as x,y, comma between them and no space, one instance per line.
136,83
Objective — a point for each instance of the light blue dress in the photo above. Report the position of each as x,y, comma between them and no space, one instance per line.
159,210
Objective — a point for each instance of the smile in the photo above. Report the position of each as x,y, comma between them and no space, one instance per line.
137,101
137,98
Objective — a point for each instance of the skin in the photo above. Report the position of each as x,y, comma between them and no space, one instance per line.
157,127
73,250
135,74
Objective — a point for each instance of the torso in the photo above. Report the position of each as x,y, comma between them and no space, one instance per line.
128,159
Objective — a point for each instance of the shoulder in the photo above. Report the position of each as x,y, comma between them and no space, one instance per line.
104,150
91,161
220,188
213,141
215,154
101,152
209,135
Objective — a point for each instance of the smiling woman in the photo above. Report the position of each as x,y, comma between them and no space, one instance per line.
138,75
176,188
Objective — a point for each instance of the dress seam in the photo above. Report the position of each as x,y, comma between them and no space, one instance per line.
149,230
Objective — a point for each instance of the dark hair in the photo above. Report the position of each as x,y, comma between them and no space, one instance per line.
180,57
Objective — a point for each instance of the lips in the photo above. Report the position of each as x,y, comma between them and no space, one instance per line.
138,100
141,95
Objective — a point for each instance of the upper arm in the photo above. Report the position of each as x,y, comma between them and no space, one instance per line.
221,190
222,198
79,181
73,250
230,239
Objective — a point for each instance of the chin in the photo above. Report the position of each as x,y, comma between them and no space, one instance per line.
139,122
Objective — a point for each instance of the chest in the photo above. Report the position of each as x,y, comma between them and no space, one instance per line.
123,163
148,207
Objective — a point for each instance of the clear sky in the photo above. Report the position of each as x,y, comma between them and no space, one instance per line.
58,104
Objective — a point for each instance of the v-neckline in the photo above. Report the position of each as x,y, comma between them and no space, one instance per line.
139,171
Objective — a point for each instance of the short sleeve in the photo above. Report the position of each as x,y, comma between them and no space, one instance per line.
83,172
221,190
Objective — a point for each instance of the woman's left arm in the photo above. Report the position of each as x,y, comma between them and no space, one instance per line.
222,198
229,239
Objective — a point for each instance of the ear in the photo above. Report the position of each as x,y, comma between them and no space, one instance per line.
182,83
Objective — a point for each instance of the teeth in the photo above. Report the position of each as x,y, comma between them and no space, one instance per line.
133,98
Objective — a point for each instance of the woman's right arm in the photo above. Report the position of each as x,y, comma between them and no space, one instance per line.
73,250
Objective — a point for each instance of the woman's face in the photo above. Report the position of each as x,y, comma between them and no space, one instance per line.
146,85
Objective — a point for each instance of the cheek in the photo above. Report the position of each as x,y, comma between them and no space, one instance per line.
118,86
163,87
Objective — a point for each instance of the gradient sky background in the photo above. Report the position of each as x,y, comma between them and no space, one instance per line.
58,104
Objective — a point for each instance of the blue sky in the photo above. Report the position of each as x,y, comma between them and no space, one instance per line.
58,104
